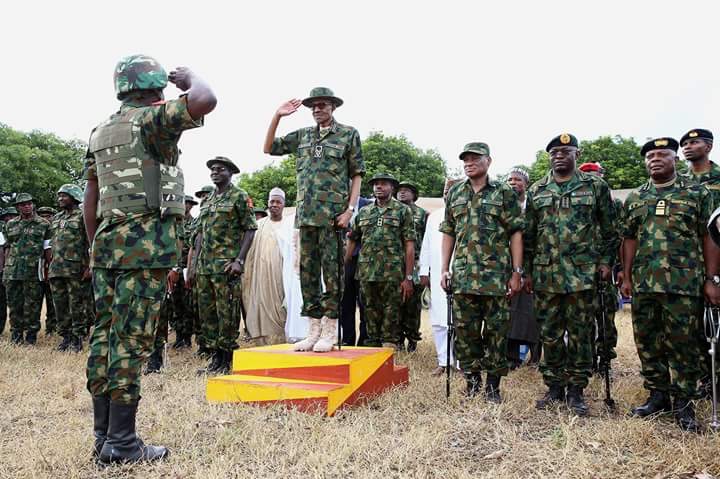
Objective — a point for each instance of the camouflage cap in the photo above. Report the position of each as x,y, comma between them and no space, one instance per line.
477,147
138,72
564,139
262,211
73,191
384,176
225,161
205,190
22,198
664,143
190,199
322,92
411,186
12,211
46,210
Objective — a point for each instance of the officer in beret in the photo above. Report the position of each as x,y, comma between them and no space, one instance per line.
670,267
47,213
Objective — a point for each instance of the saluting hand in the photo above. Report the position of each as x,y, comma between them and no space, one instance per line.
181,77
289,107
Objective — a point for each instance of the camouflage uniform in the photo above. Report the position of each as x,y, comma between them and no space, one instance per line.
481,224
69,260
411,309
225,217
326,162
132,254
3,297
24,245
667,278
382,232
562,251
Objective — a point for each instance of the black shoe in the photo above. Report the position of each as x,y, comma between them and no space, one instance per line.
685,415
411,346
101,418
226,364
576,401
657,402
555,394
31,337
216,360
492,389
203,352
474,384
122,443
155,362
16,337
182,342
76,345
64,344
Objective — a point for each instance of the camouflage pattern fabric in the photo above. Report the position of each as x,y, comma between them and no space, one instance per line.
69,245
320,265
481,327
482,224
128,309
24,247
665,336
611,304
325,165
565,364
409,316
3,307
420,217
69,297
24,300
174,313
710,179
562,251
382,301
163,327
220,317
139,72
51,323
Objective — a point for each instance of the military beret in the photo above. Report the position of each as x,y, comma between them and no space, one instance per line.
207,189
383,176
664,143
262,211
698,133
407,184
321,93
23,198
564,139
475,147
46,210
590,167
190,199
225,161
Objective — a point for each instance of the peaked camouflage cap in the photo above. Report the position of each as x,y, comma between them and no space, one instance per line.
225,161
73,191
10,211
205,190
46,210
190,199
138,72
384,176
262,211
411,186
22,198
476,147
321,92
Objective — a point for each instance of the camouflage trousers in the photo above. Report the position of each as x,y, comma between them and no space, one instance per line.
50,317
3,306
89,302
219,312
611,336
481,328
197,321
69,299
319,263
410,312
24,299
572,313
665,329
128,308
175,313
382,301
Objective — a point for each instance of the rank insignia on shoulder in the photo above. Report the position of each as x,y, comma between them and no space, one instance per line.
661,208
564,138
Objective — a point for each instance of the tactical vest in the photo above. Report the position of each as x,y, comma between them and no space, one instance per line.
130,179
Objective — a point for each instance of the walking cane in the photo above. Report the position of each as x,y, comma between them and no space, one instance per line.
450,334
712,329
609,402
341,266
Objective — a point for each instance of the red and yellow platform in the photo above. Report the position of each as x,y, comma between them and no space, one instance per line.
307,381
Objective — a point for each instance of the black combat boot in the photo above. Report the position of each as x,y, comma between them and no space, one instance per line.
657,402
101,418
203,352
576,401
31,337
554,395
685,415
474,384
226,364
76,345
216,360
122,443
155,362
411,346
64,344
182,342
16,337
492,389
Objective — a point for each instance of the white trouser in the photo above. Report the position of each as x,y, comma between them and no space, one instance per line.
440,337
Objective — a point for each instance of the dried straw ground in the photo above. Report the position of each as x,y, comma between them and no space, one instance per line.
45,428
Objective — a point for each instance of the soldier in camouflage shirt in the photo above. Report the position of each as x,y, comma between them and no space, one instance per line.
51,325
483,228
669,265
410,310
569,238
227,228
329,172
69,271
6,214
136,243
386,233
194,241
26,242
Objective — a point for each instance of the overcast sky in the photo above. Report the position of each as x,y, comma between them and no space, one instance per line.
512,74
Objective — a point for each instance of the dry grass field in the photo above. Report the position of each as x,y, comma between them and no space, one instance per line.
45,428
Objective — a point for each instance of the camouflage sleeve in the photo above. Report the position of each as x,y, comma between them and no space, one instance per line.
166,121
356,164
286,144
48,231
707,206
529,239
355,231
513,217
407,229
630,224
448,224
609,239
245,213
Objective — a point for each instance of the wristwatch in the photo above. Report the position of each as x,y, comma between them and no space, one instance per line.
409,277
519,270
352,208
715,279
177,269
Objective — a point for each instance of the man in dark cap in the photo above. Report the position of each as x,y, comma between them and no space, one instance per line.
669,268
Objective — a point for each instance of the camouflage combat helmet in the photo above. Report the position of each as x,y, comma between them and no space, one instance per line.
11,211
384,176
207,189
22,198
258,210
410,186
138,72
46,210
324,93
73,191
190,199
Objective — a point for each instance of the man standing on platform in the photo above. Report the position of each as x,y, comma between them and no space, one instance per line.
329,173
411,309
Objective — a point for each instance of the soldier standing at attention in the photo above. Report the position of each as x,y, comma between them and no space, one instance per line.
51,323
134,180
194,241
227,227
411,309
184,314
565,213
27,239
386,233
69,271
669,265
329,172
483,228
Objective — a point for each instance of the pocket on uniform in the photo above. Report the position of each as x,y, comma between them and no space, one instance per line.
144,306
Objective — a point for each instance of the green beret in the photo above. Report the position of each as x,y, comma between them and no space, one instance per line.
225,161
23,198
46,210
664,143
384,176
564,139
321,93
477,147
698,133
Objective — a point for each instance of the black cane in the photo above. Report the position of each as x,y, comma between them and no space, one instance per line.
341,265
450,333
609,402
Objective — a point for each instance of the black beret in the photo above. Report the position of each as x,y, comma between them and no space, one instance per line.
565,139
664,143
697,133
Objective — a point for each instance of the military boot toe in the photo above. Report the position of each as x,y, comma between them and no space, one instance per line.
576,401
492,389
64,344
685,416
76,345
657,402
474,385
122,444
31,338
155,362
411,346
16,337
554,395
